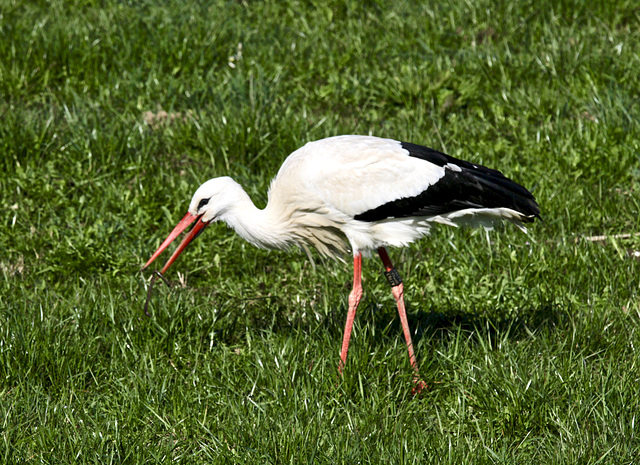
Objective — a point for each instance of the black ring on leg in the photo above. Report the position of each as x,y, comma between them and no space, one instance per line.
393,277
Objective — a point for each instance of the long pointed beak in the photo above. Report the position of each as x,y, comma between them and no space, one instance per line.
181,226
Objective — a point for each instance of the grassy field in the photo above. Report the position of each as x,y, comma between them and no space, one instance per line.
112,113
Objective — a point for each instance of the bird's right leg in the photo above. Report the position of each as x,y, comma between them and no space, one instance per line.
397,289
354,299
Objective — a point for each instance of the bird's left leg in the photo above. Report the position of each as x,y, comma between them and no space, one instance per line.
354,299
397,289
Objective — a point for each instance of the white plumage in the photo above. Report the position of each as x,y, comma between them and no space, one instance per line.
359,193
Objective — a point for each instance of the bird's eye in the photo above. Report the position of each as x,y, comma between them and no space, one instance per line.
202,203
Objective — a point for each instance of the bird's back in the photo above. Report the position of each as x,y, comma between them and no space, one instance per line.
359,174
353,174
352,181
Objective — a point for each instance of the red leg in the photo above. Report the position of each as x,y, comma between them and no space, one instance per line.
354,300
397,289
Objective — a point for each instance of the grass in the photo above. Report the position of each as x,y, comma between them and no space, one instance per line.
530,344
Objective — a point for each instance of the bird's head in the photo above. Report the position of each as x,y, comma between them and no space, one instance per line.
214,198
209,203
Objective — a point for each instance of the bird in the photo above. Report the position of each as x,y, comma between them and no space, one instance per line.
357,195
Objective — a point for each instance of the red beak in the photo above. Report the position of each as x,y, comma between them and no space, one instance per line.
181,226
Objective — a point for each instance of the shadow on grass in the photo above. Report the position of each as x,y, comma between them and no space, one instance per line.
516,322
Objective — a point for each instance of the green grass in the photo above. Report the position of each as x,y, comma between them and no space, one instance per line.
530,344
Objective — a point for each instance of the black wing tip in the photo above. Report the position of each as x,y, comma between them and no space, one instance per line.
537,216
527,207
531,208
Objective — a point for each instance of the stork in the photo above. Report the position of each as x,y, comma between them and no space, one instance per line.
359,194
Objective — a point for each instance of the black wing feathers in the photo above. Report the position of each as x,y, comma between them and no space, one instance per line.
473,186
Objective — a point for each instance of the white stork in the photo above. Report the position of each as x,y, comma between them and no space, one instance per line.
359,193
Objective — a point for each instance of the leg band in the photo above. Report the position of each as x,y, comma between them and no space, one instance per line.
393,277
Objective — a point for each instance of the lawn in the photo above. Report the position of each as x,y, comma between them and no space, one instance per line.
112,113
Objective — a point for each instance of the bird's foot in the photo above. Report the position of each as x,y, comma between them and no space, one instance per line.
419,387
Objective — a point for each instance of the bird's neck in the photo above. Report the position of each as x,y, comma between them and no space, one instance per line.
259,227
